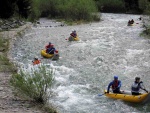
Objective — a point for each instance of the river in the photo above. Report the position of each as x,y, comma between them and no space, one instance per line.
86,67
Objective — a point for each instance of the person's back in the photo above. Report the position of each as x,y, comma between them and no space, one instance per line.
51,50
132,21
129,22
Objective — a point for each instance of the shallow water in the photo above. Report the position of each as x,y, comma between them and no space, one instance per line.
85,68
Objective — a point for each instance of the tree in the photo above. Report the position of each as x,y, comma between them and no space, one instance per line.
24,7
7,8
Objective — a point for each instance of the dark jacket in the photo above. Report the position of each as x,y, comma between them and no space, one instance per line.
51,50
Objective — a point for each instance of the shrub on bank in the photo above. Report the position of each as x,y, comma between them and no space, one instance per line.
5,64
111,6
34,85
147,31
145,6
66,9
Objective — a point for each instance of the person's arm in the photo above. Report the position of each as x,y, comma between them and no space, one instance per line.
46,47
119,85
142,86
109,86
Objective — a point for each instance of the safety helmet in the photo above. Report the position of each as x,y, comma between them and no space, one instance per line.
35,58
115,77
137,78
74,31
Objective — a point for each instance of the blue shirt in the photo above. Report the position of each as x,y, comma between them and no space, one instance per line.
51,50
115,86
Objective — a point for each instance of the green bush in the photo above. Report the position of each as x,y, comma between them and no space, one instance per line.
143,4
65,9
35,12
111,5
77,9
34,85
147,9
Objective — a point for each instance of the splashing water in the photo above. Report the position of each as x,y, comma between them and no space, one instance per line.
106,48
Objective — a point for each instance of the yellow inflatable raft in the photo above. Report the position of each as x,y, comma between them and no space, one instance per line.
128,97
130,24
46,55
76,39
73,39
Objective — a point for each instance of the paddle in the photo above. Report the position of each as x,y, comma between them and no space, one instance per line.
144,87
101,94
145,90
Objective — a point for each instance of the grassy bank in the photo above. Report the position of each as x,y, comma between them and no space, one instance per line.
5,64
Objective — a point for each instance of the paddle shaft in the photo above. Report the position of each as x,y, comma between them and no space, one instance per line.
144,88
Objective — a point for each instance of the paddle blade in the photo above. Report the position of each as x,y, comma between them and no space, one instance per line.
100,94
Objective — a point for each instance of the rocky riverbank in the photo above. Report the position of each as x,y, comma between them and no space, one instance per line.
10,103
10,24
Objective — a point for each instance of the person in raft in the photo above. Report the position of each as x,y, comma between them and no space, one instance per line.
48,46
115,85
74,34
129,22
136,86
132,21
51,50
36,61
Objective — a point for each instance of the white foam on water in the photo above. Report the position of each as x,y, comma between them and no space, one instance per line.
132,53
106,48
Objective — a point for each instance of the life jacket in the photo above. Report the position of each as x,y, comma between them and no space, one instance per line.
74,35
135,87
48,46
115,84
36,62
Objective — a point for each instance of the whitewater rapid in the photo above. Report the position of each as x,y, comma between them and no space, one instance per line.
86,67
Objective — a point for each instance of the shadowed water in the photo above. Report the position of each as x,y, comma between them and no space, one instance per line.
85,68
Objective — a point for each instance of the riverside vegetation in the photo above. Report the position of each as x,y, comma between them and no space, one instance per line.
5,64
34,86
